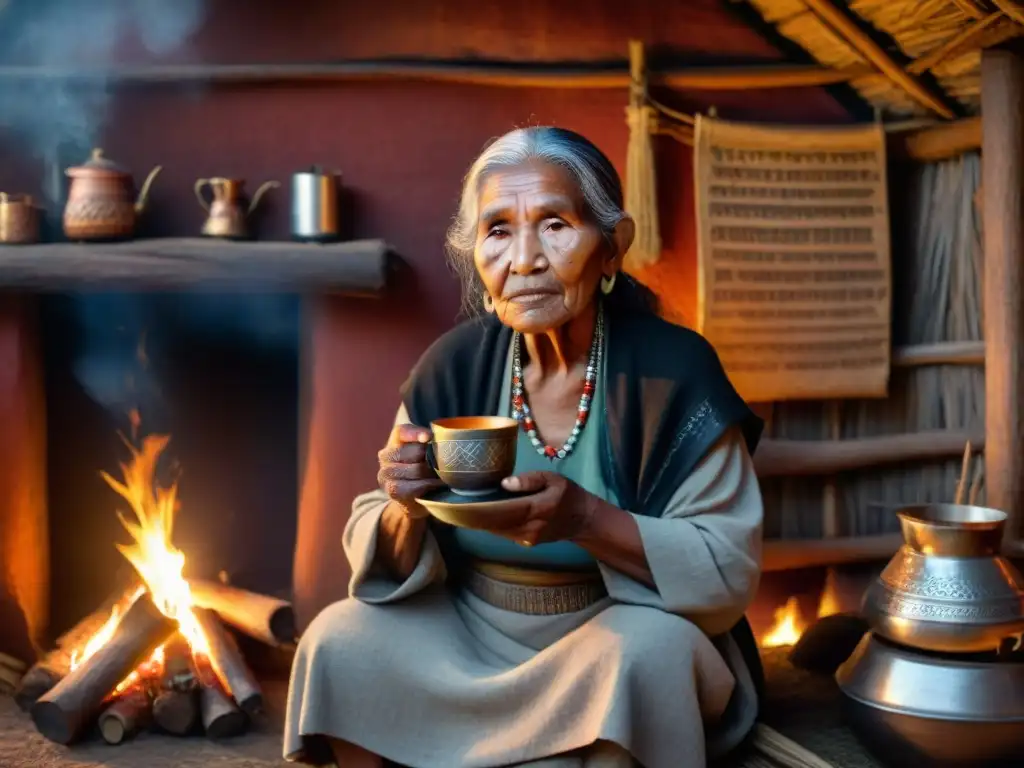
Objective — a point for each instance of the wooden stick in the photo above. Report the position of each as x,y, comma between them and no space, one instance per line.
176,712
773,744
9,680
495,74
13,664
264,618
956,44
176,706
128,714
62,714
965,468
228,664
976,482
41,678
222,718
929,145
839,20
1011,9
79,634
939,353
791,458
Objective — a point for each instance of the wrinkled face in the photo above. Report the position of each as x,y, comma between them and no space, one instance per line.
539,254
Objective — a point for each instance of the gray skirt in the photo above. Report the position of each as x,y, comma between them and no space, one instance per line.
445,679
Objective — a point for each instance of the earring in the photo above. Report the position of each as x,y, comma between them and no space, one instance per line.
488,303
608,284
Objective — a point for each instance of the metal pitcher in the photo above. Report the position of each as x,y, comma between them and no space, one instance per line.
948,588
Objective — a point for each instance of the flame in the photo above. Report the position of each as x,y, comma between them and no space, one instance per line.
787,628
789,625
829,604
151,552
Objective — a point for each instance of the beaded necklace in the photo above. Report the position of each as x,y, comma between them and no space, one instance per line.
521,408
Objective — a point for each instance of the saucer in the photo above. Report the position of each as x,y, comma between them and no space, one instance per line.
498,507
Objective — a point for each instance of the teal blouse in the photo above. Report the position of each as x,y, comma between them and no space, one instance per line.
583,466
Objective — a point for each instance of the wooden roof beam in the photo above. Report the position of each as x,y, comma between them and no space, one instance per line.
840,20
938,142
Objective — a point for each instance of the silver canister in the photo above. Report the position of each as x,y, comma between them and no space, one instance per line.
315,205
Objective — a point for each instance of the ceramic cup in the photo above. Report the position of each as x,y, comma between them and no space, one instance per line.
473,454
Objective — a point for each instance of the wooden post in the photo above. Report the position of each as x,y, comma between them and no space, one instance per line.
1002,100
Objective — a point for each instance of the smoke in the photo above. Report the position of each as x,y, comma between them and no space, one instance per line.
54,116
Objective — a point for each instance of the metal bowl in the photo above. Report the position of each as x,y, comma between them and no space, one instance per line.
919,709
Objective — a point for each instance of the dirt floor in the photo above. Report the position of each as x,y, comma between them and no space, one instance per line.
22,747
802,706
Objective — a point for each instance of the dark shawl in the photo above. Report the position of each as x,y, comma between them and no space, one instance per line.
667,402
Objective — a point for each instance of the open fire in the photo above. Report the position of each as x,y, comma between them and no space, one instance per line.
789,624
159,657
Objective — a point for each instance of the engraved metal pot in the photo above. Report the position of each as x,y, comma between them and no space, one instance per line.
913,708
948,589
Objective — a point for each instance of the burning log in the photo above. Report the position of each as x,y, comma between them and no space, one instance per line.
129,713
176,706
51,669
63,713
228,664
222,719
267,619
120,598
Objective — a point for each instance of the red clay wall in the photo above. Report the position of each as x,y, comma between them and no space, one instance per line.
403,147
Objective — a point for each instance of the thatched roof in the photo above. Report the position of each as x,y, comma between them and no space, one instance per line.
918,57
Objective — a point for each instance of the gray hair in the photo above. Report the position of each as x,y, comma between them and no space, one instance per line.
598,182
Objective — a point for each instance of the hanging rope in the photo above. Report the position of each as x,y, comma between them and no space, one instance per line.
641,180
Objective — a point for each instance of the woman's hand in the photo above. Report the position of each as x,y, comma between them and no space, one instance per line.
404,473
556,510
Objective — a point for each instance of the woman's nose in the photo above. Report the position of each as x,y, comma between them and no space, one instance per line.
528,253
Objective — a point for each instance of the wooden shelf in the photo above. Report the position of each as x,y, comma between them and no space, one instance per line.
359,268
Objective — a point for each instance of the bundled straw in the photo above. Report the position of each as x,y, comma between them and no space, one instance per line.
783,750
641,193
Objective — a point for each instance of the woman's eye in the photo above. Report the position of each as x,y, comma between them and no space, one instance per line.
556,225
497,232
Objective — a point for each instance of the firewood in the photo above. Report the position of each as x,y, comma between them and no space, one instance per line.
128,714
63,713
222,718
40,679
176,706
176,712
9,680
228,664
264,618
179,671
11,663
79,634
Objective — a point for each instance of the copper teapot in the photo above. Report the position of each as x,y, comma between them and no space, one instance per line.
228,216
100,204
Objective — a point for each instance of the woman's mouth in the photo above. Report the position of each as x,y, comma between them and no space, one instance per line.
530,297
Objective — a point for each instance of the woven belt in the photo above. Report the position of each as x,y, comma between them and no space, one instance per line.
535,600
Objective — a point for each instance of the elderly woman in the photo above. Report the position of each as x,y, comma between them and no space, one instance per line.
605,627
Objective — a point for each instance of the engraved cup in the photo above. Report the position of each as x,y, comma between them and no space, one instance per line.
948,589
473,454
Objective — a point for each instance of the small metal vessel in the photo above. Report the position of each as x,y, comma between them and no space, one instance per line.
919,709
948,589
315,212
